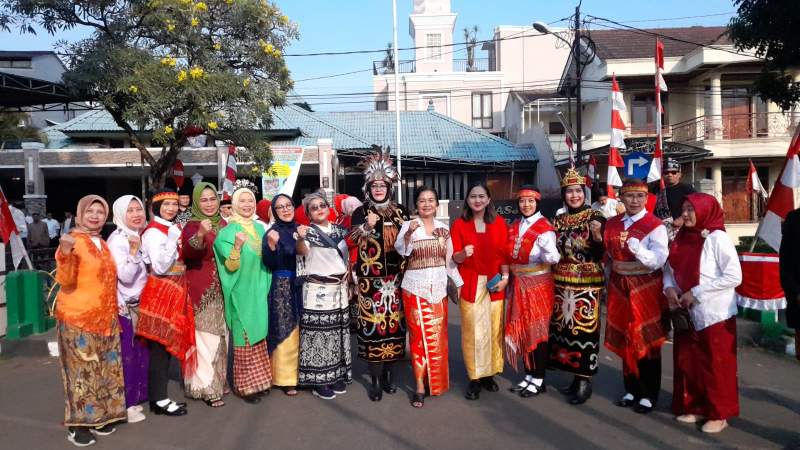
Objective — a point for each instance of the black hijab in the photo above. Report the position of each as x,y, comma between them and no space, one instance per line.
285,230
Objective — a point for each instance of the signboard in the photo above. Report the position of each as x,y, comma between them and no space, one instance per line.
282,176
637,165
177,173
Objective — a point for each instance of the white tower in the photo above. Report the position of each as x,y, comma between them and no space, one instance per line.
431,25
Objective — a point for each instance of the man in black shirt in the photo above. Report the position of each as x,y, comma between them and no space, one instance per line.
790,272
676,191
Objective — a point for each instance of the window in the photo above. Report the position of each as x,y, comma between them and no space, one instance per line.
434,44
555,128
381,105
16,63
482,110
643,113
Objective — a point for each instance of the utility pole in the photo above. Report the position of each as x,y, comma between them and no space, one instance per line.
576,49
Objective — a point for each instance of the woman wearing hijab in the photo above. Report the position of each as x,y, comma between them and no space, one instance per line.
325,360
700,277
245,286
531,249
279,254
88,327
165,312
208,380
580,281
126,248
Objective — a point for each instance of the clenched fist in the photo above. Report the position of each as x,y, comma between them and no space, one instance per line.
596,228
241,238
469,250
135,242
372,219
205,227
412,227
302,231
272,238
66,243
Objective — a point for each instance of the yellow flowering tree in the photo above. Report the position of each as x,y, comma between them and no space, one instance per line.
165,69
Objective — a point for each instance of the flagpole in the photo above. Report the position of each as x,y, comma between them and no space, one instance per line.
397,104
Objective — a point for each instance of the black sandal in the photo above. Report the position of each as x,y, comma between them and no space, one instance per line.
418,401
215,403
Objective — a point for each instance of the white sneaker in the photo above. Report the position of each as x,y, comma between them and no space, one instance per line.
139,408
688,418
135,415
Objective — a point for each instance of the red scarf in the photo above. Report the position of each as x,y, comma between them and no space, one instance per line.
687,249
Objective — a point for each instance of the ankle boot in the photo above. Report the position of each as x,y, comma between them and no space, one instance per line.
386,382
583,392
375,392
571,388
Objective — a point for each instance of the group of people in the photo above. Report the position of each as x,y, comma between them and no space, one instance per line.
275,300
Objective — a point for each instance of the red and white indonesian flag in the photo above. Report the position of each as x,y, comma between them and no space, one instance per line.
591,172
781,202
754,183
9,233
230,171
617,138
661,86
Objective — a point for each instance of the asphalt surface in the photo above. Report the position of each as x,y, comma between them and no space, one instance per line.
31,411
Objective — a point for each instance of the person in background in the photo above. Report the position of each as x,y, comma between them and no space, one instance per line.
225,207
88,328
38,234
53,228
68,223
126,247
426,244
608,206
676,191
531,250
263,212
700,277
479,236
637,248
790,273
185,202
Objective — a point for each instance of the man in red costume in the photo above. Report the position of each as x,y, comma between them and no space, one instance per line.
637,248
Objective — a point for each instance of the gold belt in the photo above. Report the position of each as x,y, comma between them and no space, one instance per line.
630,268
530,269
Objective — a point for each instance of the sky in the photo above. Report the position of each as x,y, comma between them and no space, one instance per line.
329,26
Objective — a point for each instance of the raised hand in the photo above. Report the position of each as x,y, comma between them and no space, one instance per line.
205,227
596,228
469,250
135,242
272,238
241,238
302,231
66,243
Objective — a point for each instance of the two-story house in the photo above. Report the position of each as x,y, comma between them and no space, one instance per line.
713,121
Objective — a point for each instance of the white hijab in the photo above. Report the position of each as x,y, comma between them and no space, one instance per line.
120,208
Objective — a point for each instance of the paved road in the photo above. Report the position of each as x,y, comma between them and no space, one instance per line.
31,410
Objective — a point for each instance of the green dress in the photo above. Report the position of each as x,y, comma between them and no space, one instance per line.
246,289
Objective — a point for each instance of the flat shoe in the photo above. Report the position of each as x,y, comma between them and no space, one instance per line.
517,388
532,390
687,418
642,409
418,401
625,403
714,426
252,399
489,384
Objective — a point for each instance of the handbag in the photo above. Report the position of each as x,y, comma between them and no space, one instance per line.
681,322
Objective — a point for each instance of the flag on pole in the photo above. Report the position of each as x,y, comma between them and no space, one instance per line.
754,183
230,172
591,172
781,202
617,141
568,141
661,86
9,233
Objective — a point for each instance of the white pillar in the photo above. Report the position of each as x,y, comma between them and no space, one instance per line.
326,167
715,121
222,162
716,174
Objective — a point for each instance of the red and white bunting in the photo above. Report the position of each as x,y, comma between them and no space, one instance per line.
781,202
230,172
754,183
661,86
617,141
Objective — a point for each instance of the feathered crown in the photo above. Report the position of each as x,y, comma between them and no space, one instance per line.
573,177
244,183
379,166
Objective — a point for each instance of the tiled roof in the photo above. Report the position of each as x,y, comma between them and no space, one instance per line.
624,44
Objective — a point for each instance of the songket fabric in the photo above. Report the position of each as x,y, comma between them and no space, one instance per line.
706,372
325,356
380,325
481,310
579,283
637,308
427,326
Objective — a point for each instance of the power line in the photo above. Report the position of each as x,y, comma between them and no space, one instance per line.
680,18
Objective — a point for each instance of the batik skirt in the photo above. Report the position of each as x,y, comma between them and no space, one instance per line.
325,356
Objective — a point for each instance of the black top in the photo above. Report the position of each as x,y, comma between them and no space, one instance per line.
675,196
377,256
790,267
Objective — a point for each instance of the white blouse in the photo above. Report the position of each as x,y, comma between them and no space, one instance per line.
324,261
429,283
720,274
131,269
544,249
161,250
653,250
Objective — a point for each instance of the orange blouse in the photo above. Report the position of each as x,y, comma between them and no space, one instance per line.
88,278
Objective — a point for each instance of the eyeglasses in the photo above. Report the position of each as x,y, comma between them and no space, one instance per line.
672,172
317,206
286,207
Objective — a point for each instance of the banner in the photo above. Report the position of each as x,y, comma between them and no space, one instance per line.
282,176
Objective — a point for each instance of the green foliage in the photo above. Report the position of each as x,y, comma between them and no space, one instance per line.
168,69
769,27
12,128
761,246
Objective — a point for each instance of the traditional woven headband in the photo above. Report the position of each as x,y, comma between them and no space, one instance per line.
529,193
634,188
161,196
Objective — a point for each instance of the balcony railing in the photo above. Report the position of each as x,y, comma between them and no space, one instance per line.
459,65
736,126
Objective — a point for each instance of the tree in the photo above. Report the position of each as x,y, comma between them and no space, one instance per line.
388,59
471,38
14,128
169,69
768,27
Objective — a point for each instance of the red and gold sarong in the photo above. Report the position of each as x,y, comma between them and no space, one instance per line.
166,316
636,311
528,310
427,327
